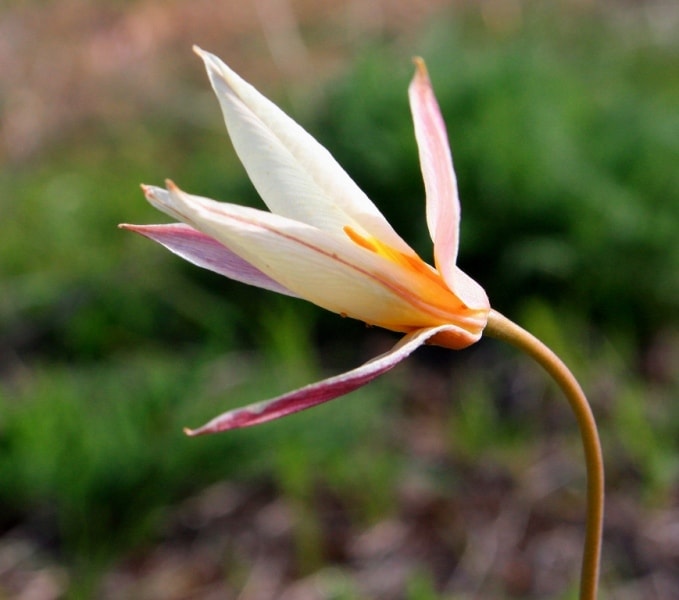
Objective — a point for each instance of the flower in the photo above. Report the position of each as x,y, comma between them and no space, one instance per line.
324,240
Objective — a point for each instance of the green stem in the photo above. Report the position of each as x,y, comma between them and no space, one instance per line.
502,328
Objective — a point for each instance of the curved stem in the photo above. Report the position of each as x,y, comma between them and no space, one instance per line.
502,328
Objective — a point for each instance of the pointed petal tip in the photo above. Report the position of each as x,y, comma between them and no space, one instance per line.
148,190
420,67
213,64
154,195
142,229
204,55
191,432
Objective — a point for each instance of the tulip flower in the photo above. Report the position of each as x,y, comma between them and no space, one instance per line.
324,241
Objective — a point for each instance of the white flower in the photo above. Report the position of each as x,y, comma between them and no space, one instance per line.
324,240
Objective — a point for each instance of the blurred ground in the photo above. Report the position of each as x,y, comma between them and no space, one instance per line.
65,63
459,522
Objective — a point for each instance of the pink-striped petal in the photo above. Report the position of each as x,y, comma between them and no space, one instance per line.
331,271
322,391
206,252
443,205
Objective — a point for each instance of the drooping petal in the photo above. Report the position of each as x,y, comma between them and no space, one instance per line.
206,252
294,174
443,204
322,391
331,271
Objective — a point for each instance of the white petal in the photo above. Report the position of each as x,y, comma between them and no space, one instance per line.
329,270
322,391
295,176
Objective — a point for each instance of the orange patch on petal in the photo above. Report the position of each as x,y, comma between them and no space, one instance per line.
412,262
427,291
360,240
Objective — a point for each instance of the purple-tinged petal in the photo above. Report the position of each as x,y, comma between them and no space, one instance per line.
206,252
321,391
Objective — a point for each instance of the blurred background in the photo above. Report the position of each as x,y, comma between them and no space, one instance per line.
458,475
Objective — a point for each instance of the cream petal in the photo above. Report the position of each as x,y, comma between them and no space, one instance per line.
206,252
320,392
328,270
294,174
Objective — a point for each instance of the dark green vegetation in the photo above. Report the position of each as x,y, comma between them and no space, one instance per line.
565,135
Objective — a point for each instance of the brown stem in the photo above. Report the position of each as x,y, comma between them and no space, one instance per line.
502,328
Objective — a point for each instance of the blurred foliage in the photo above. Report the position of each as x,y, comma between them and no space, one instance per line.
91,455
566,142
